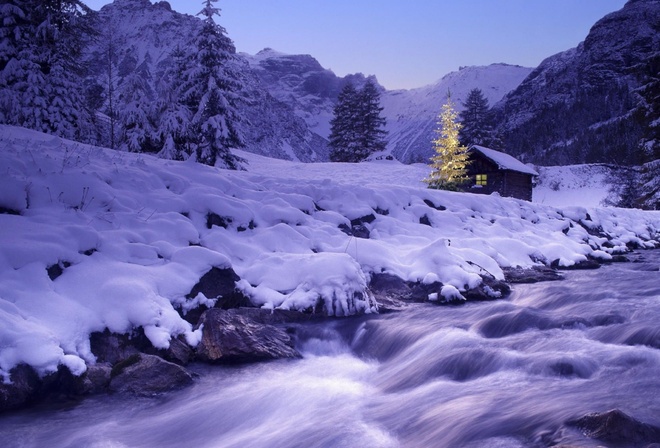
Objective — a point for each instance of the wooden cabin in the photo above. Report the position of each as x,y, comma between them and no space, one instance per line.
493,171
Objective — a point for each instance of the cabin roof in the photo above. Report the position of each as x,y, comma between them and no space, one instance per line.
504,161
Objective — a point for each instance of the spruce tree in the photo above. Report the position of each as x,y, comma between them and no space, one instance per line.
41,81
356,129
211,91
373,124
476,129
173,115
449,164
344,133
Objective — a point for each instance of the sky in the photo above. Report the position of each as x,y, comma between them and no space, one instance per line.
406,44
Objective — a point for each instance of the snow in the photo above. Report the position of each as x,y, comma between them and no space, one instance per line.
585,185
131,236
505,161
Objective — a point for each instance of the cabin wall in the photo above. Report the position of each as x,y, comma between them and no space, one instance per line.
507,183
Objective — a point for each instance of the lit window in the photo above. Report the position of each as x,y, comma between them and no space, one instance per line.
482,179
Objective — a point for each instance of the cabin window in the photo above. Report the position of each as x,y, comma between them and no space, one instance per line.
482,179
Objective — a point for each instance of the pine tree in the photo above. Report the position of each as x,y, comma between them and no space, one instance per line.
136,116
449,164
373,124
212,92
356,129
41,79
344,134
173,116
476,129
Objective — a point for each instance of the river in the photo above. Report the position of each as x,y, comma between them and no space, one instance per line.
506,373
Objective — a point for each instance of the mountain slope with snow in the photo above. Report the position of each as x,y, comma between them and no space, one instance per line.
95,239
412,115
584,105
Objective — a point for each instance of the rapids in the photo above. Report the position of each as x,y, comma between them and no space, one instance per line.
506,373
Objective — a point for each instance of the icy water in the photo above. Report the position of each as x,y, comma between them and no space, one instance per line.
499,374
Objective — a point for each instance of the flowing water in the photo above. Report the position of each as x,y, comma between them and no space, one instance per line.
506,373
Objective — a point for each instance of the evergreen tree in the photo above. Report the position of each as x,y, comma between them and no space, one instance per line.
476,129
211,91
344,133
372,130
356,129
41,79
449,164
173,116
136,116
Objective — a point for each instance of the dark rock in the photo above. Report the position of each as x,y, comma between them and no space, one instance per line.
57,269
531,275
390,291
276,317
616,427
368,219
22,390
96,379
218,284
420,292
148,375
489,289
584,264
112,348
432,205
424,220
213,219
358,229
228,337
178,352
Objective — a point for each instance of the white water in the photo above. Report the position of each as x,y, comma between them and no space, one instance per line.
499,374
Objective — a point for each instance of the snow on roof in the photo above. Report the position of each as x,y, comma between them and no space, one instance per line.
505,161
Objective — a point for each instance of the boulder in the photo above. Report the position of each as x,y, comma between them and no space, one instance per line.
218,284
617,427
22,389
390,291
531,275
229,337
147,375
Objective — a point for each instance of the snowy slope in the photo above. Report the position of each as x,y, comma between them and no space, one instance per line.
412,114
584,185
131,236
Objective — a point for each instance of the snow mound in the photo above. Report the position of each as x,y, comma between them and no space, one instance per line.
95,239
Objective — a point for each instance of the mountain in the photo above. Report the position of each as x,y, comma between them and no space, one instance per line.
311,90
584,105
412,114
289,99
142,37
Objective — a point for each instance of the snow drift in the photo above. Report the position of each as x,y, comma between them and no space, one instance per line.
94,239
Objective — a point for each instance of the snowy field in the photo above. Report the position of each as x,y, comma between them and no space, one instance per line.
131,236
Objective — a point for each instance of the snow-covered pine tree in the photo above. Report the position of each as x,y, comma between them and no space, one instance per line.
212,92
173,116
475,126
449,164
343,130
372,123
41,79
135,116
356,129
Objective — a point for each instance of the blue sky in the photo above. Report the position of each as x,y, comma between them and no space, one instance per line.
407,43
